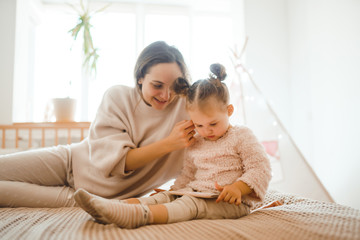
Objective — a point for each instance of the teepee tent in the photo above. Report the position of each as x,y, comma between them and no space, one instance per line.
291,172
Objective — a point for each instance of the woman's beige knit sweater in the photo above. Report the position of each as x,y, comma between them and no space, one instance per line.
123,122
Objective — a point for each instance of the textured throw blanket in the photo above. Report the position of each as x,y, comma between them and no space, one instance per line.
298,218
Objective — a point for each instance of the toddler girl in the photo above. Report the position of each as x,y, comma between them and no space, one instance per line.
226,160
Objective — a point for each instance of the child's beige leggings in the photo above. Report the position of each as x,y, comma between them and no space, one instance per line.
187,207
37,178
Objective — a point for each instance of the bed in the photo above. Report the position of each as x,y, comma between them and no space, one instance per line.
297,218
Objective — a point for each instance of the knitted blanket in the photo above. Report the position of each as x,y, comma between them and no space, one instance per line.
298,218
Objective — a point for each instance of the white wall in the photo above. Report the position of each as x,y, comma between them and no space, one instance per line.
7,56
332,36
267,53
322,39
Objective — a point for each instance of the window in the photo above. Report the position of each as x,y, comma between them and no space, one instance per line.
203,36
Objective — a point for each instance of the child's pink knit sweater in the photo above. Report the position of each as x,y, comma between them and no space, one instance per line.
237,155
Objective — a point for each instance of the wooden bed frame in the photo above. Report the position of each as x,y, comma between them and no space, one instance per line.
43,127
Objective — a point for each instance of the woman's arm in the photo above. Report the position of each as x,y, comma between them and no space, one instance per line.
180,137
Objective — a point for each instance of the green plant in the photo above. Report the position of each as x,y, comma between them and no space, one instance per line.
90,52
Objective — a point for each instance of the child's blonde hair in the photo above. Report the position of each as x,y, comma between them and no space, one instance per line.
200,91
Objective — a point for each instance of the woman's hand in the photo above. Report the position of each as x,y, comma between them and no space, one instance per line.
182,135
229,193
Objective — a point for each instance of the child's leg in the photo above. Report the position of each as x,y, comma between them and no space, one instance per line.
224,210
159,198
187,208
128,215
182,209
83,198
121,212
132,201
159,214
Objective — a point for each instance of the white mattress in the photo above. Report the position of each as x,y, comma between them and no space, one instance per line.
298,218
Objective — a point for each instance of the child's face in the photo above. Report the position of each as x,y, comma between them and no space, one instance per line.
212,122
156,85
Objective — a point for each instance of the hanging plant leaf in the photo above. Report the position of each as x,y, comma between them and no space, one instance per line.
90,61
90,53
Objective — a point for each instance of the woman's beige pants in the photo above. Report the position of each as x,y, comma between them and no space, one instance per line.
37,178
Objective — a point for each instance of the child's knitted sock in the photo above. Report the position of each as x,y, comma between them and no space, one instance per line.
123,215
83,198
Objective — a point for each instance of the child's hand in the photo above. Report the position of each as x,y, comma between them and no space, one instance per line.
229,193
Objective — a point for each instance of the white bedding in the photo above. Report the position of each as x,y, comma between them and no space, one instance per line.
298,218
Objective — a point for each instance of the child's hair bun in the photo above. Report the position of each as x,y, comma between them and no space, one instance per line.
218,70
181,86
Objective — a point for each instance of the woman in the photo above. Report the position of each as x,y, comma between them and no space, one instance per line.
135,143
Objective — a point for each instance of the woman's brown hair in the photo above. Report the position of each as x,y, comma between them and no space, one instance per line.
155,53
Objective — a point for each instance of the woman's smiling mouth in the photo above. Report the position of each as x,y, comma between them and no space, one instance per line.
160,102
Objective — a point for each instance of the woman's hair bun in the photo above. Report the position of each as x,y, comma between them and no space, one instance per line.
218,70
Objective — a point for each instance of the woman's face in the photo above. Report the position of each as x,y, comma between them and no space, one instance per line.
157,83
